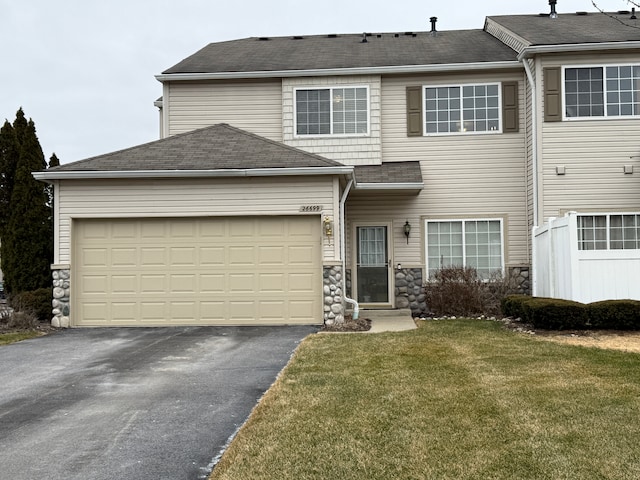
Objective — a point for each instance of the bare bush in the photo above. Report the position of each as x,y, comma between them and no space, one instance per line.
460,291
23,320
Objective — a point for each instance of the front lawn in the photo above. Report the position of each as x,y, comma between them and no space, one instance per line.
12,337
455,399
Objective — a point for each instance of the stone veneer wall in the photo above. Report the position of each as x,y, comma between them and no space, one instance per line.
333,294
61,295
521,279
409,291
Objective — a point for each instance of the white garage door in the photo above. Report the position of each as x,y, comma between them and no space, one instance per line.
197,271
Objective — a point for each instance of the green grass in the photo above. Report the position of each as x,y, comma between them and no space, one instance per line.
7,338
451,400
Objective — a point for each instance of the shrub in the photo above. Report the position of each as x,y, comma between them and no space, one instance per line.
615,314
22,320
555,314
513,305
36,303
461,291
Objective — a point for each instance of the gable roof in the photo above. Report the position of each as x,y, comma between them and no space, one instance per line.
319,52
217,148
576,28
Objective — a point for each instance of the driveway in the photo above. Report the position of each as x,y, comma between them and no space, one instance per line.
141,403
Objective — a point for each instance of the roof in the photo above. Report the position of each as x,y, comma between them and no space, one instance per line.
389,176
314,52
575,28
219,147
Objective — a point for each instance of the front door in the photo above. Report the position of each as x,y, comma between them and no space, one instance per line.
373,265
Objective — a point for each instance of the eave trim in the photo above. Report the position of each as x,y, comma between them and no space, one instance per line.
576,47
255,172
399,69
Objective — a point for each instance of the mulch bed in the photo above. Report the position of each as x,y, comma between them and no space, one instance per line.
349,325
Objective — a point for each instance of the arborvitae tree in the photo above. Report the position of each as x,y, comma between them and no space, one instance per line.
9,153
28,240
53,162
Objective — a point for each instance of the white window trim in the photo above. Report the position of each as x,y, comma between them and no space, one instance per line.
461,85
608,230
330,135
464,253
606,116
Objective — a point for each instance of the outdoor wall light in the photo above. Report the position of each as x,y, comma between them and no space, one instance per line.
407,230
328,226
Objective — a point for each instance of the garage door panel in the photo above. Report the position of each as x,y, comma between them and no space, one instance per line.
182,256
153,284
201,271
124,284
124,257
152,257
212,256
94,257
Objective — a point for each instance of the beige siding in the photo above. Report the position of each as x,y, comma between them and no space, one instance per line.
465,176
350,150
593,152
193,198
255,106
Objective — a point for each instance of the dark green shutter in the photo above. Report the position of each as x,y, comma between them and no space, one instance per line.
552,95
510,112
414,111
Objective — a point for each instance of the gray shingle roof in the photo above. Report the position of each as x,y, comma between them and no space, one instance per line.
391,172
212,148
345,51
572,28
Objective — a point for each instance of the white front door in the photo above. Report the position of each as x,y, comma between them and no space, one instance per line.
372,264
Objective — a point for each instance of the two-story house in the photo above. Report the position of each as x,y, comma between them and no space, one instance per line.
297,173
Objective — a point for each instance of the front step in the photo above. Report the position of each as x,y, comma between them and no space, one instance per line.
388,313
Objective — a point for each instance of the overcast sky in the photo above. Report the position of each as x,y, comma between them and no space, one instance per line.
85,70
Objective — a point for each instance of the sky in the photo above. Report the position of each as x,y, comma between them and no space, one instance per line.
84,70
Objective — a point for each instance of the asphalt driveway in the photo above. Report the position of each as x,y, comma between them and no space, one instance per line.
139,403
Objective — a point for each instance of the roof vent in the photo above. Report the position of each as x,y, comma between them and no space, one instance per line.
298,37
433,21
552,4
332,35
633,14
264,39
581,14
364,38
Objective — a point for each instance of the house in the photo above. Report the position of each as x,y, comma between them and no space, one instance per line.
296,173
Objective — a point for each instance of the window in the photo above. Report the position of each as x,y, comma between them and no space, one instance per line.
609,232
332,111
612,91
468,243
462,109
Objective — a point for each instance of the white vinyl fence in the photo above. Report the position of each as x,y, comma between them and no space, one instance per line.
562,270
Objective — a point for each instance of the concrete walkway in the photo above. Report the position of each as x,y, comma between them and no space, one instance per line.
389,320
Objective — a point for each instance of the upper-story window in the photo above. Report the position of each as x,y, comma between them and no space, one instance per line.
462,109
602,91
332,111
609,232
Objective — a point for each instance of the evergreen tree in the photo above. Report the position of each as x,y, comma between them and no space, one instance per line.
28,238
9,153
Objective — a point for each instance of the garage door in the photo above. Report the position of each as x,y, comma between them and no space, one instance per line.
197,271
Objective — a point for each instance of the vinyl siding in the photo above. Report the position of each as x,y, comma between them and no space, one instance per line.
465,176
349,150
255,106
593,152
193,198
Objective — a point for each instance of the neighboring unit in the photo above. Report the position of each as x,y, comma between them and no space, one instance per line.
295,172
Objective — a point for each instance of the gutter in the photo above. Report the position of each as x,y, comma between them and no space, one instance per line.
382,70
576,47
343,249
245,172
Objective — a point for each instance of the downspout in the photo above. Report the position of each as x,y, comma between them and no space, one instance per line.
534,140
343,249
